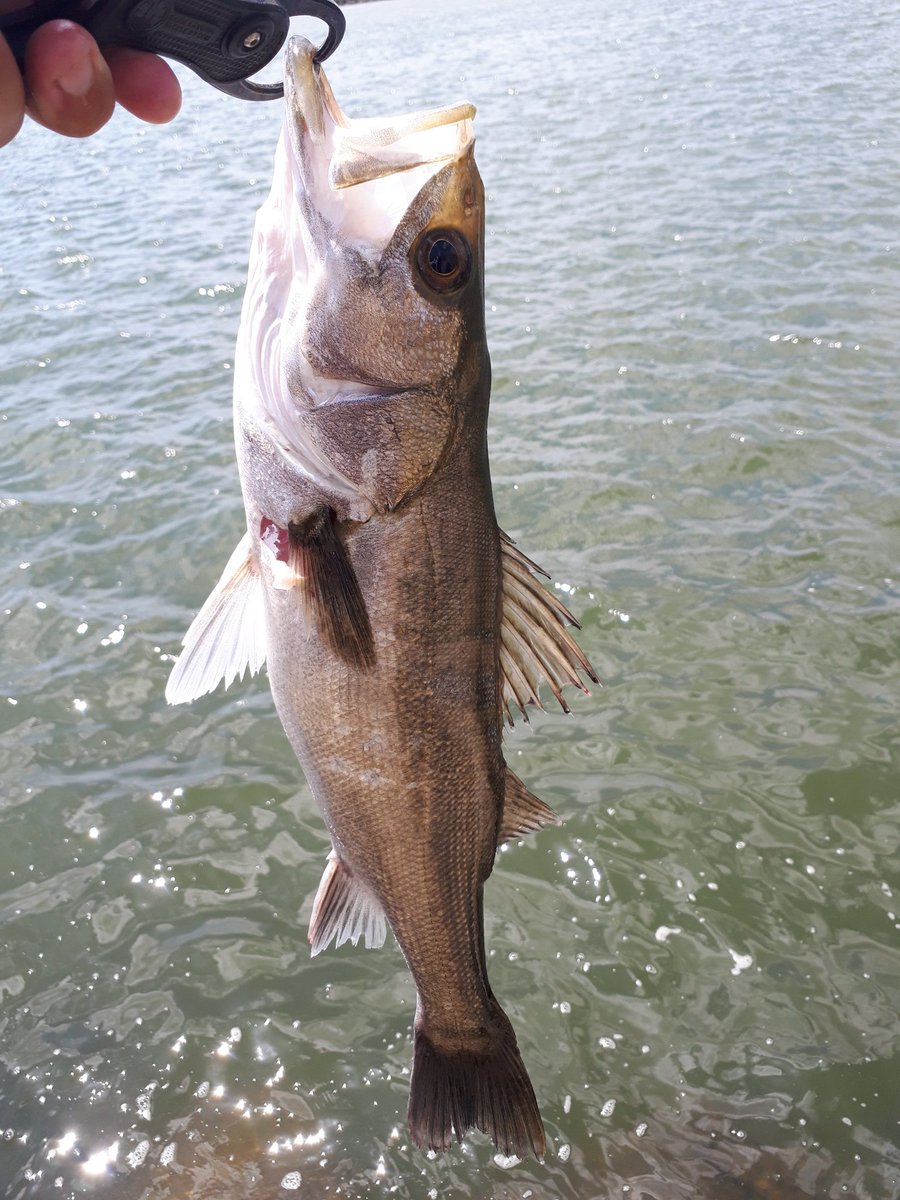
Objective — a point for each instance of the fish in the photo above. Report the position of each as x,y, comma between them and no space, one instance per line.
401,629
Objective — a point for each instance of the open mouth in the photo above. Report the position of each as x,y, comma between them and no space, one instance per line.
363,174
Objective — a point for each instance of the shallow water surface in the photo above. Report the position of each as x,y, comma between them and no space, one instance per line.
694,310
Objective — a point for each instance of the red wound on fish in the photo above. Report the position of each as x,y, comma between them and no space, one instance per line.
331,590
275,538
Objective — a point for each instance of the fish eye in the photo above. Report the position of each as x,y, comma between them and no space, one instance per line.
444,260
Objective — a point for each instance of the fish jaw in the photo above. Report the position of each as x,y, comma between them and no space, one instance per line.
346,362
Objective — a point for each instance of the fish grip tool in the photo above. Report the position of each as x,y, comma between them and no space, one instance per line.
222,41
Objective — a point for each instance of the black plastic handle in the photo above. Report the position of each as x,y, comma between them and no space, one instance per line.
223,41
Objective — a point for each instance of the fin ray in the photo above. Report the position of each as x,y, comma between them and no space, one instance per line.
452,1091
227,637
330,587
535,646
523,812
515,685
344,911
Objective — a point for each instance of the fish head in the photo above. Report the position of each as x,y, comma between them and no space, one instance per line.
362,337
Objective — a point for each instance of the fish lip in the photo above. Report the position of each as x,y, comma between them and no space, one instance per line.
305,98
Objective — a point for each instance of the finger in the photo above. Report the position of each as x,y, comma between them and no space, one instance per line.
145,85
69,87
12,95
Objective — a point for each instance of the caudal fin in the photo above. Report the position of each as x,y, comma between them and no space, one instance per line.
454,1091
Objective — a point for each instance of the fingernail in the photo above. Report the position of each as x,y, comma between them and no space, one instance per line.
76,81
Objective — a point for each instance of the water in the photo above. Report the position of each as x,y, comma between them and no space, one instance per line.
694,305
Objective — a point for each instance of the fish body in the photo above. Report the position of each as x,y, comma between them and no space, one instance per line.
396,620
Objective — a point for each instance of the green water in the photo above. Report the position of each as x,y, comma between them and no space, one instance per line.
694,313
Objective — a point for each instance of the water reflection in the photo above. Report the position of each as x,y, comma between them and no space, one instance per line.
693,425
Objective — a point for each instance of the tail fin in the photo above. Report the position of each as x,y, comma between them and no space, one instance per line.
453,1091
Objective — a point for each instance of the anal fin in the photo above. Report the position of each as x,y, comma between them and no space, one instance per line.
535,645
228,634
523,812
330,588
344,911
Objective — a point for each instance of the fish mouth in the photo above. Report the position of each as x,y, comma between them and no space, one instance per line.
361,175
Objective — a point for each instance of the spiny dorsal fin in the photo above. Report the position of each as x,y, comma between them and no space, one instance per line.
523,812
344,911
330,588
535,644
228,634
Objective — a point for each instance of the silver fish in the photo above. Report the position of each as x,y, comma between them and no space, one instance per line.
397,621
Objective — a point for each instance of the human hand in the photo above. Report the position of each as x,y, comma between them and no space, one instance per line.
72,88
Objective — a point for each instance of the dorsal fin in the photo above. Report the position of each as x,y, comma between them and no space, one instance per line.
228,634
523,812
344,911
535,645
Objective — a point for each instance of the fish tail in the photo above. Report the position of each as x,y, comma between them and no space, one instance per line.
455,1090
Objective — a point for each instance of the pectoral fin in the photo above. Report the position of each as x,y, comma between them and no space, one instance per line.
227,636
330,589
523,812
535,644
344,910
